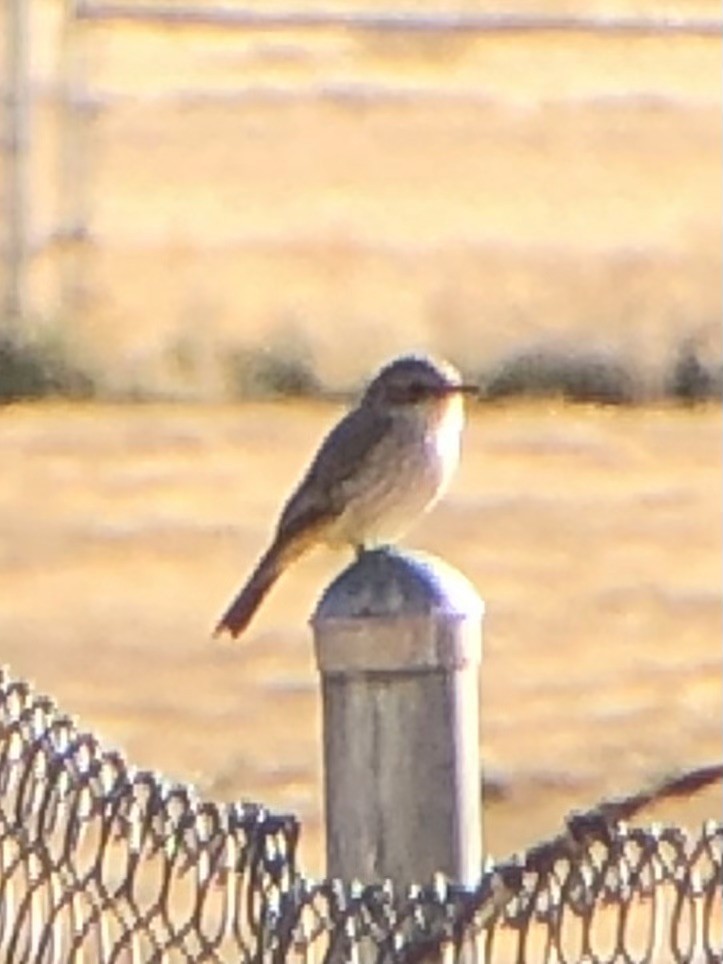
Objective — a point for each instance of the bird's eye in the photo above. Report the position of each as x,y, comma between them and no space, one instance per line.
415,392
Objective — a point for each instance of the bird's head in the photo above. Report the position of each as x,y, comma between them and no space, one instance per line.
415,381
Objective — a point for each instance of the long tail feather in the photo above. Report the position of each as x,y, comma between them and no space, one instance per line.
241,611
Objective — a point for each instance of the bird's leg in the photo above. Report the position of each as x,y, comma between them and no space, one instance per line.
359,550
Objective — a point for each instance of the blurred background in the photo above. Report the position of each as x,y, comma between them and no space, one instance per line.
233,213
214,197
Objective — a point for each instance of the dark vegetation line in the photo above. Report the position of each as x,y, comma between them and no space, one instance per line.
44,369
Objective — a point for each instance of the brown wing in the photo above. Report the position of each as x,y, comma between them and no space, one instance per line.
320,496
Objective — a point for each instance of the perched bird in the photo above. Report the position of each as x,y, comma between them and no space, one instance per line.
385,463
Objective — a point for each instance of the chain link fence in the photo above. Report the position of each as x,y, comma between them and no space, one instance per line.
102,862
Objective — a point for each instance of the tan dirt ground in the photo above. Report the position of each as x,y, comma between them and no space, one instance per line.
593,535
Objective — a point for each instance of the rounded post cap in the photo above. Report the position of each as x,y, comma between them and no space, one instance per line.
386,583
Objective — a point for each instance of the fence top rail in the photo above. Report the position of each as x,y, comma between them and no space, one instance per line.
390,20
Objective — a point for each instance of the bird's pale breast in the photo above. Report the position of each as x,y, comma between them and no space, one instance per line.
402,476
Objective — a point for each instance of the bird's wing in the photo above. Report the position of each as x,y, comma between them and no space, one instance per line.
320,496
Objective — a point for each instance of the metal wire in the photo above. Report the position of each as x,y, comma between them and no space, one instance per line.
102,862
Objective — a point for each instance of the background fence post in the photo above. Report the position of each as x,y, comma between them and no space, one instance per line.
398,645
15,136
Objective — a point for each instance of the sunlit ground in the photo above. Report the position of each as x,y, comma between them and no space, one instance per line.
593,535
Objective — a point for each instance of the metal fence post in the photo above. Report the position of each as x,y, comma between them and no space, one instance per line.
398,645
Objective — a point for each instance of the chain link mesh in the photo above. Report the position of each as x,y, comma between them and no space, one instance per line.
102,862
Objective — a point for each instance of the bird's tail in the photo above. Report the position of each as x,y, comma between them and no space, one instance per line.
270,566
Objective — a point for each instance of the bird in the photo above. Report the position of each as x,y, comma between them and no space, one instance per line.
384,464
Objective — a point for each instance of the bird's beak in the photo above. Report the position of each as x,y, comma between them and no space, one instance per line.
446,391
465,390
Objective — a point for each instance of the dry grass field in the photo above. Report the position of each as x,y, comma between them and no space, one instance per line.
345,194
593,535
